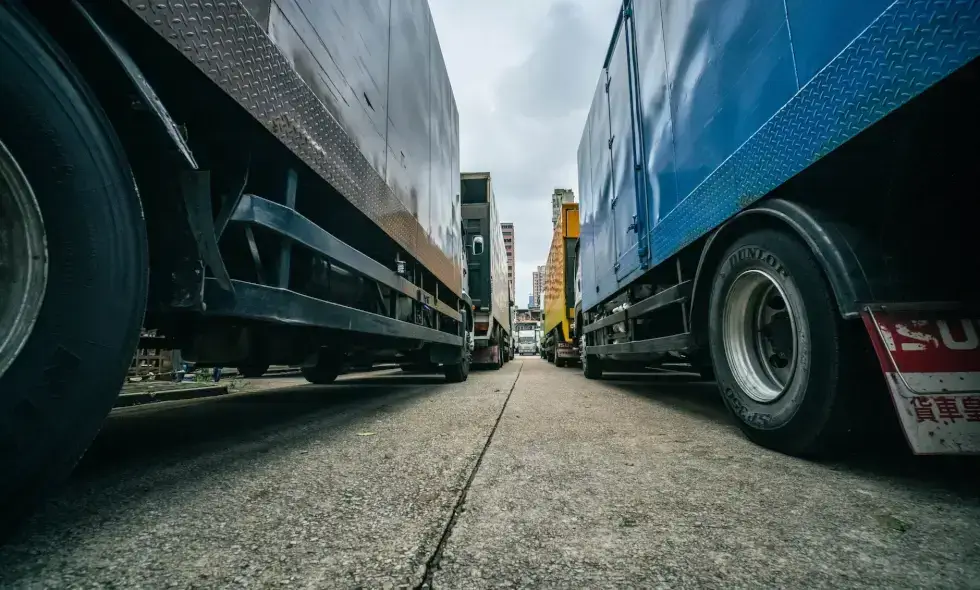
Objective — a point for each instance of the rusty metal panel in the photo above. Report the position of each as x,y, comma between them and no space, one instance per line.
320,77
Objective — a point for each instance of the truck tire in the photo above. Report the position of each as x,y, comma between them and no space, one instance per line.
782,355
591,364
65,365
457,372
324,372
253,371
498,359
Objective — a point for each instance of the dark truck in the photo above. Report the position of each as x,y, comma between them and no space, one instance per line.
487,261
781,195
274,181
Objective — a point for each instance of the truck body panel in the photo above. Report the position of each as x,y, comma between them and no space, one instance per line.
703,108
357,90
488,282
560,274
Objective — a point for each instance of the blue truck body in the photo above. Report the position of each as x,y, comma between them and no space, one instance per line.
705,106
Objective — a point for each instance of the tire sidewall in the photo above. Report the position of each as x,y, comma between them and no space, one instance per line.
59,389
797,413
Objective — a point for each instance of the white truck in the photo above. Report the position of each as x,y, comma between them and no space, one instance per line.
527,338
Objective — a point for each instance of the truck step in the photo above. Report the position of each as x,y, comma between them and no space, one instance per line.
676,342
259,302
678,293
290,223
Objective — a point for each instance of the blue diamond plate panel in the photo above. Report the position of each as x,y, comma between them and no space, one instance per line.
908,48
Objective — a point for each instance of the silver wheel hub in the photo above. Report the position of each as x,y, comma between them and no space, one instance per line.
23,259
759,332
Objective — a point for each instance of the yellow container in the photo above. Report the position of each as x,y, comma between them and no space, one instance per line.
559,287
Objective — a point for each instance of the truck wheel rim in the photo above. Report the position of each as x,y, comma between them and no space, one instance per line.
759,333
23,259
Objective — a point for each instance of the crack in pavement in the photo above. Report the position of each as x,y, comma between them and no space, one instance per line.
434,560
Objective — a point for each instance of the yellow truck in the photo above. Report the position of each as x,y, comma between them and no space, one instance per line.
560,343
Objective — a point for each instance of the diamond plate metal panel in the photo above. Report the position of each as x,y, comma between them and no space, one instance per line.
911,46
223,41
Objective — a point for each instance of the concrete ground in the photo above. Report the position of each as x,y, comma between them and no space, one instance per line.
529,476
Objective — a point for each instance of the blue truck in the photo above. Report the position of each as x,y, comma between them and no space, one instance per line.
779,193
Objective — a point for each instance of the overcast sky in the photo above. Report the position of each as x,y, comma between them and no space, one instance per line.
523,72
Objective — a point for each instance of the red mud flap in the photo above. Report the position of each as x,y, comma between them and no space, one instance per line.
931,362
485,356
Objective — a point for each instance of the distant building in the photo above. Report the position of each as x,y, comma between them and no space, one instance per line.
528,315
530,300
508,230
559,198
537,287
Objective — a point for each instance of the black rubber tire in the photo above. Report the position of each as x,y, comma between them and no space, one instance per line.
457,372
591,366
253,371
323,374
57,393
811,418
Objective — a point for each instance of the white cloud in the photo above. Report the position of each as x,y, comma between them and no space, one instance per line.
523,74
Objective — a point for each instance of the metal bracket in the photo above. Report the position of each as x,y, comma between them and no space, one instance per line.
195,187
253,249
230,203
286,251
633,227
142,86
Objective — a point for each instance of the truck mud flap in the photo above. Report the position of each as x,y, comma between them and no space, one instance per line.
564,351
931,362
486,356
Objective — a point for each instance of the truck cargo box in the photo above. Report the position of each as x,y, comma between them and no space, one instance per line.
755,177
488,282
371,111
703,108
560,273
